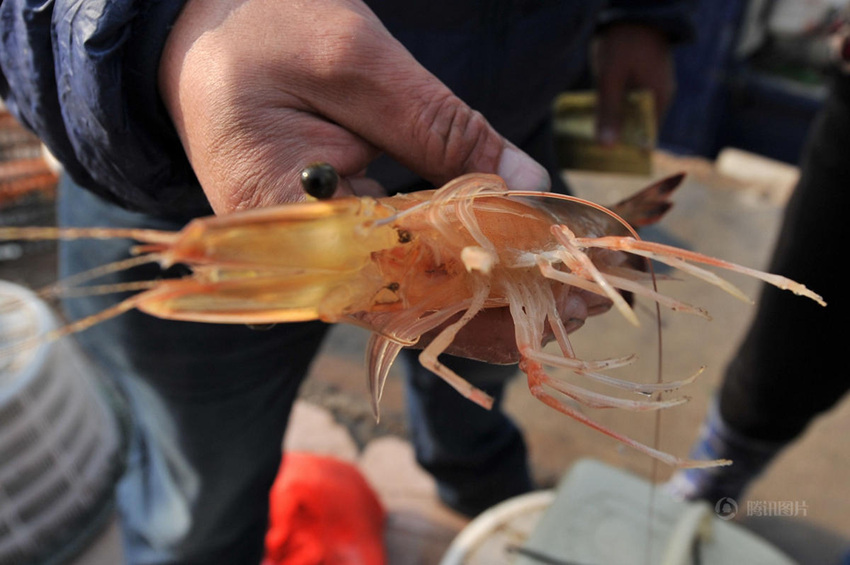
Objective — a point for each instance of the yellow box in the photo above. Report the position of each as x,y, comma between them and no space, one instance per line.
575,134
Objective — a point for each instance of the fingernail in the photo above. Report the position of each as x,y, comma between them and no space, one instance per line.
521,172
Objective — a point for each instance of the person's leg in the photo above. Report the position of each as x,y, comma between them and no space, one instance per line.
787,370
209,405
478,457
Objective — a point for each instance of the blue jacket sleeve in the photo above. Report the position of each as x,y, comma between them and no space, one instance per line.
675,18
82,74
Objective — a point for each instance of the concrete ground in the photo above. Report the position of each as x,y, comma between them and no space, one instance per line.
733,218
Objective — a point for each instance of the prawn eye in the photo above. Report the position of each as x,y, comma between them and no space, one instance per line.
319,180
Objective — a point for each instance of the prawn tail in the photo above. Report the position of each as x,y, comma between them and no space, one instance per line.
650,204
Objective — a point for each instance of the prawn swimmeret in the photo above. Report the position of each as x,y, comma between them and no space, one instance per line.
408,264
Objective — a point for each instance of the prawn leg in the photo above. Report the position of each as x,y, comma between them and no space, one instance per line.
548,270
595,400
590,369
578,262
536,384
429,355
583,368
463,209
381,353
679,259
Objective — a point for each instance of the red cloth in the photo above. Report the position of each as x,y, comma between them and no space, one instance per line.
322,511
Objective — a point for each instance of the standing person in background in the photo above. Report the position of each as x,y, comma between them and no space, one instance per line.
163,111
788,370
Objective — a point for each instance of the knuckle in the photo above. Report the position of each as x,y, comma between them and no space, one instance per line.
456,138
349,44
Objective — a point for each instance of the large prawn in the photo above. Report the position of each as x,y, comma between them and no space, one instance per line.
422,262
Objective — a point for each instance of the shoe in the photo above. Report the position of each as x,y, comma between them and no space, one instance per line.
717,440
470,502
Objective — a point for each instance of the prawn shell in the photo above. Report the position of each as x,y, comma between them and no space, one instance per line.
335,235
330,259
307,261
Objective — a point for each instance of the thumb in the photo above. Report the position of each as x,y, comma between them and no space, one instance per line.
446,138
405,111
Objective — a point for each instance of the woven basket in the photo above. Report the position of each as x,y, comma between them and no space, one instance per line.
61,446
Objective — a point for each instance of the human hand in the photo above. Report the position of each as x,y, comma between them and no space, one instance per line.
630,56
259,89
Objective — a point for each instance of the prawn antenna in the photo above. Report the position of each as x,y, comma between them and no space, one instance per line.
161,237
34,340
69,286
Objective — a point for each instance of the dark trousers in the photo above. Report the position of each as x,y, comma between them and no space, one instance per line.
791,366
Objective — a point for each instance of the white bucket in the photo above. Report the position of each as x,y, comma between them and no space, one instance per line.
599,514
61,447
